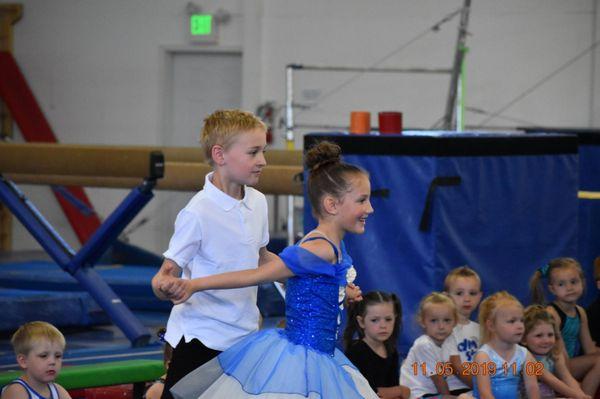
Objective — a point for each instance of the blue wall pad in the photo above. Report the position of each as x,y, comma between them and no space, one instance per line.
589,209
502,204
59,308
130,283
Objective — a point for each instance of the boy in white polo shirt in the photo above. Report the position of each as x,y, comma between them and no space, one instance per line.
223,228
463,285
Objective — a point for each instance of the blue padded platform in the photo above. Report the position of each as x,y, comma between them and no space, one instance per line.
130,283
58,308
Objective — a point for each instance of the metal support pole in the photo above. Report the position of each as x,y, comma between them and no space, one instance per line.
456,67
64,256
289,137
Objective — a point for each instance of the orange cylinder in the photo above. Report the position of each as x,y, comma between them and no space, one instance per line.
360,122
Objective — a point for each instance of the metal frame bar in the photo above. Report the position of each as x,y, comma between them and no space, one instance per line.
79,264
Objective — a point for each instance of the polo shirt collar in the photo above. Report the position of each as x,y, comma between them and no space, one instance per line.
225,201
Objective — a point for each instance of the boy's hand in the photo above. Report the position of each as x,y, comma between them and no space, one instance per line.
171,287
353,293
179,290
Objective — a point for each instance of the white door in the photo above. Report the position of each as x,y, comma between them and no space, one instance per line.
202,83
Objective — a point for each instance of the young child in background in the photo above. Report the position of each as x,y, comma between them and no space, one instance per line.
39,348
593,310
224,227
540,338
156,389
501,361
463,285
423,370
565,281
376,320
301,360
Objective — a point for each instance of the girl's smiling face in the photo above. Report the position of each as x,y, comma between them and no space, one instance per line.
540,339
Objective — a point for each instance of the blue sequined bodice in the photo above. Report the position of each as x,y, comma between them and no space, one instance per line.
312,298
312,312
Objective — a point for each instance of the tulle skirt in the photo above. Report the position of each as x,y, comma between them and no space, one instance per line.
267,365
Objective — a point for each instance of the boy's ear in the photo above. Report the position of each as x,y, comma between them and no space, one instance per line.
22,361
217,153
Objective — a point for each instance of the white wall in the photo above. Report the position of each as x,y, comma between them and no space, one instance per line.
97,69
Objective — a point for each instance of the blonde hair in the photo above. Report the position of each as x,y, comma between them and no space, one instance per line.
29,334
436,298
535,283
488,309
535,315
222,126
462,271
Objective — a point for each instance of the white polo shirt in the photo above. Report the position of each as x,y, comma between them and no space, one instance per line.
216,233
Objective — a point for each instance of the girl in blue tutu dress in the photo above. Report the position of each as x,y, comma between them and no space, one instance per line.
300,361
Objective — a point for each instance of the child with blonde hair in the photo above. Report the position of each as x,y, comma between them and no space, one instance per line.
463,285
541,340
222,228
39,348
501,362
565,281
425,369
302,360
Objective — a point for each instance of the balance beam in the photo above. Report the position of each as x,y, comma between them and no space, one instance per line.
179,176
81,160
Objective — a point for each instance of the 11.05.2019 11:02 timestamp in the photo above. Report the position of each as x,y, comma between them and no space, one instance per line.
446,369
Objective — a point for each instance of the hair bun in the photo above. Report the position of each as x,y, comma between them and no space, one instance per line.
323,153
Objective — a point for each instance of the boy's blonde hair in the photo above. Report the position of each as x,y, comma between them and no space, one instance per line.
537,314
436,298
462,271
223,125
29,334
488,309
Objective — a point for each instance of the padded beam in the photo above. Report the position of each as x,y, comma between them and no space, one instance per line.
186,154
179,176
102,374
83,160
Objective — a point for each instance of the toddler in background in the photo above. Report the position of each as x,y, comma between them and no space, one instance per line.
421,372
463,285
540,339
566,280
376,320
501,362
39,348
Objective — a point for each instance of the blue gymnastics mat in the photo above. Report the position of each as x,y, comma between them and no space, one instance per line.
130,283
58,308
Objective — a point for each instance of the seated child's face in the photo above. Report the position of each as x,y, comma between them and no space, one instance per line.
43,362
466,294
540,339
438,320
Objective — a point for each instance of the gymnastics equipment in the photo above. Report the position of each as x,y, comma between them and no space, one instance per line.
109,162
136,372
34,127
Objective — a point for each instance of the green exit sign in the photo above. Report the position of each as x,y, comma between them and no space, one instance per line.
201,25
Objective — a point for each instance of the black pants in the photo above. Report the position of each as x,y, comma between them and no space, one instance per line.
186,358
